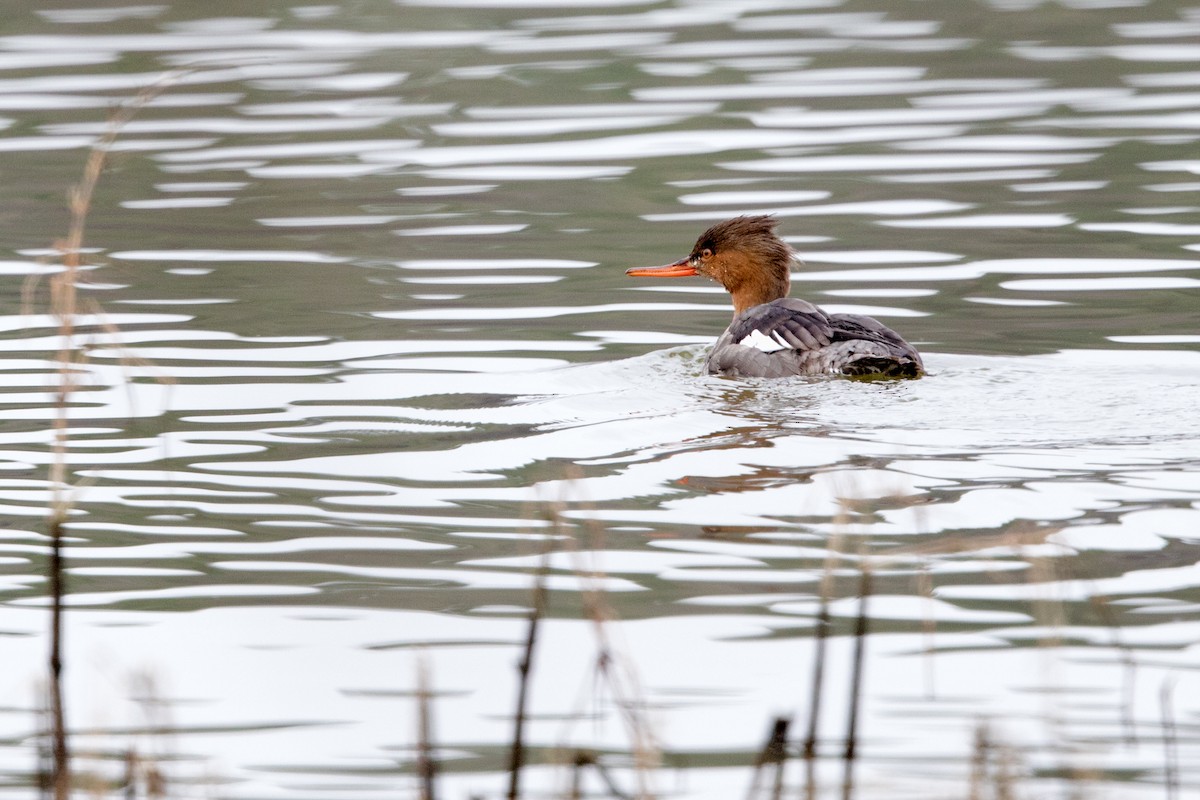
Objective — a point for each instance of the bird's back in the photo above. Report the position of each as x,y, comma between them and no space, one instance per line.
794,337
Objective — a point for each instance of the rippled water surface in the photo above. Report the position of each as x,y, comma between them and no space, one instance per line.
359,360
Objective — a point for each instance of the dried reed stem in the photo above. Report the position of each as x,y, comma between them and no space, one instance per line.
809,752
1129,663
524,669
426,765
774,752
929,630
856,680
60,773
1169,739
131,765
617,672
628,701
146,768
1006,770
580,760
979,761
64,304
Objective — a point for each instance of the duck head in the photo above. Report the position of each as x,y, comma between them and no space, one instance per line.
742,254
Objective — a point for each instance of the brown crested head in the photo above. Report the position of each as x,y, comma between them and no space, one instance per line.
742,254
745,256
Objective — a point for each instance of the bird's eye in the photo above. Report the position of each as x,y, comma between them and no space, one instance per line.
706,253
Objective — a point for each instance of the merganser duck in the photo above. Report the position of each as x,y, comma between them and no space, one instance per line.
773,335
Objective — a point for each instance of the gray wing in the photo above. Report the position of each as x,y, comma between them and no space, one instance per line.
792,323
794,337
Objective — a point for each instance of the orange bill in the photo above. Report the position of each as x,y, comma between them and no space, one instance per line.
680,269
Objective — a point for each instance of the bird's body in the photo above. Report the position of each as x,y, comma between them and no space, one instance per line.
773,335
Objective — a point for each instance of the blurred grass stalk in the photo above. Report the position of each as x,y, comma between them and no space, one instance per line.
817,681
426,764
524,670
64,307
617,668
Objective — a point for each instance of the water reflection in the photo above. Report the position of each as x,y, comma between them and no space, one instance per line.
362,350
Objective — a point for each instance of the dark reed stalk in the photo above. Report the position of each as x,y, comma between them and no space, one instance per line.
45,758
60,773
809,751
586,758
580,760
610,783
774,752
856,681
777,789
516,757
1169,738
426,765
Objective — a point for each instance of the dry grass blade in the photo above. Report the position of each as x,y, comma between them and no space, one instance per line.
156,711
824,622
856,681
64,305
1169,739
774,752
1018,535
524,669
426,765
617,673
581,760
60,764
1105,612
979,761
624,685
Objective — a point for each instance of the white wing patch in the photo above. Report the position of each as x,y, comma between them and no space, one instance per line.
761,341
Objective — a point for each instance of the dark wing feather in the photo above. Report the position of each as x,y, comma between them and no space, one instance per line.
798,323
858,326
793,337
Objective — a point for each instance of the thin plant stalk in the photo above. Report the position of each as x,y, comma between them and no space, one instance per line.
979,762
856,681
148,767
60,773
426,765
516,758
1169,739
618,673
64,304
1129,684
131,769
774,752
809,752
580,761
928,630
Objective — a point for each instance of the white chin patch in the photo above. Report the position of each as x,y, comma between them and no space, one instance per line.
760,341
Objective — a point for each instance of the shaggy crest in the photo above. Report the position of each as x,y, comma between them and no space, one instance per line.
745,256
754,236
